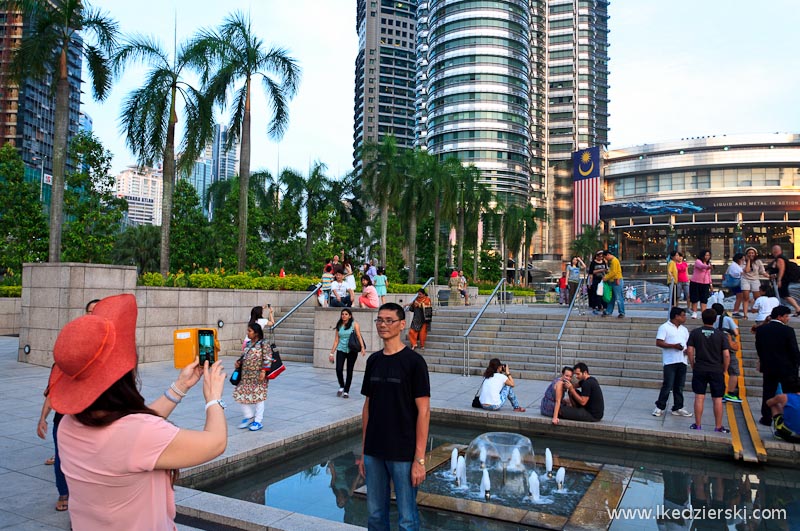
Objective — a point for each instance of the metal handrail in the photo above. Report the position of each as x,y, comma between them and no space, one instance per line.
500,284
296,306
559,354
427,283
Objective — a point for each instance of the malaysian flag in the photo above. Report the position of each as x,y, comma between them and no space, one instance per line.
586,190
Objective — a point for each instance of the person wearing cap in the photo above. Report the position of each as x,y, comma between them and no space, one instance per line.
120,456
752,272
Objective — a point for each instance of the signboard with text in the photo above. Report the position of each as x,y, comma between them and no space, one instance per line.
705,205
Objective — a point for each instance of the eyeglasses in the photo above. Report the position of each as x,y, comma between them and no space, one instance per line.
380,321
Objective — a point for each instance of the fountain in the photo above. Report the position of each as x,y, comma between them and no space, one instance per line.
499,469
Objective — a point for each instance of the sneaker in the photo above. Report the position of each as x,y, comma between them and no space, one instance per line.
339,392
694,315
722,429
345,395
595,312
657,412
245,423
255,426
731,398
604,314
695,427
737,314
681,413
621,316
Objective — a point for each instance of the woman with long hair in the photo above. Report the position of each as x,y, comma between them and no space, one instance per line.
574,275
497,387
120,455
597,270
555,394
369,295
753,271
251,392
345,327
700,283
421,320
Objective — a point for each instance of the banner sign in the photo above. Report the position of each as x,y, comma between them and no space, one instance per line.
698,205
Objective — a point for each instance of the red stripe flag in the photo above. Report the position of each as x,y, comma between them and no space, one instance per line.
586,188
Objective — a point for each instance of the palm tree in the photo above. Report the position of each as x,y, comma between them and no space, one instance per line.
235,53
468,188
383,174
135,246
443,188
43,52
415,200
311,194
588,242
149,116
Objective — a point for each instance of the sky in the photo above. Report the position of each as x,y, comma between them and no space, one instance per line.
678,68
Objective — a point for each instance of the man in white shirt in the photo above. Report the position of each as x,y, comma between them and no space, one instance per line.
671,338
341,295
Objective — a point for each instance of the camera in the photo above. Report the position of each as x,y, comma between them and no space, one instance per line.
503,367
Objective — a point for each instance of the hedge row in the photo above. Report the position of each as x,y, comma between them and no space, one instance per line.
10,291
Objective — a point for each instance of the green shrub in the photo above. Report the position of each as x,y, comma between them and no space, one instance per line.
10,291
152,279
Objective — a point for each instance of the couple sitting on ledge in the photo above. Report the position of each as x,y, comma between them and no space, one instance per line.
579,400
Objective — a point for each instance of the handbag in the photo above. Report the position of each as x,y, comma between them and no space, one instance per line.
236,377
600,288
353,344
428,311
729,281
733,340
277,367
476,402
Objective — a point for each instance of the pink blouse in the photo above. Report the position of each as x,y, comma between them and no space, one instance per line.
701,273
369,297
683,268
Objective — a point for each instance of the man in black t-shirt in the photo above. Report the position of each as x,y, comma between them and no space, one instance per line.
394,423
709,356
588,403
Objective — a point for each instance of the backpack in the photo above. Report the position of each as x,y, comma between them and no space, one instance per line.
790,274
733,340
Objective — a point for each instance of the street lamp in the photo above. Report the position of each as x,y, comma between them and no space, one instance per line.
41,177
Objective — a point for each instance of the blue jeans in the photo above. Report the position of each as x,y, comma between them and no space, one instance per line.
61,480
505,393
379,472
674,380
618,297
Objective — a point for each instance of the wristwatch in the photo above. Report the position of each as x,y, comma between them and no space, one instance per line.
420,460
217,401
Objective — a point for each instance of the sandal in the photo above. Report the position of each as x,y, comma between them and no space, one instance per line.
50,461
520,409
63,503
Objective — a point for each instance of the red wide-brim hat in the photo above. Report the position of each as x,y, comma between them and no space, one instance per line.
92,352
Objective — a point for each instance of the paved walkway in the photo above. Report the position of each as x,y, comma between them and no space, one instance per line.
301,400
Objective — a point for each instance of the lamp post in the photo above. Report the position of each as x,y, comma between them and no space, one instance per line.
41,176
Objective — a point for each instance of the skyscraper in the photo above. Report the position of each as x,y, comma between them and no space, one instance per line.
386,68
511,86
27,109
225,161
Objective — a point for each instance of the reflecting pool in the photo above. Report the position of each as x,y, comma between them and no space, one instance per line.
722,494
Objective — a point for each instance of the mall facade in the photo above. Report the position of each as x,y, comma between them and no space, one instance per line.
721,193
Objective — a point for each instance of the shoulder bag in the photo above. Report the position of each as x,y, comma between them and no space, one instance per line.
353,344
733,340
476,401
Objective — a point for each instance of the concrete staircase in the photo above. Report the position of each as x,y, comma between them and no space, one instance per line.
295,336
618,351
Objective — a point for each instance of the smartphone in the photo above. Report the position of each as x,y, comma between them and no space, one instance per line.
269,305
206,351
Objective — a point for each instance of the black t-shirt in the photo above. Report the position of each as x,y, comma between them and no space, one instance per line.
708,343
392,383
597,271
595,406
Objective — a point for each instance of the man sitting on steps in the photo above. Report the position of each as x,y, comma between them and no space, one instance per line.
588,405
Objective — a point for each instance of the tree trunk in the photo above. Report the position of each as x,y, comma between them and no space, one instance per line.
168,179
309,241
437,221
384,228
61,126
460,237
244,182
476,257
412,246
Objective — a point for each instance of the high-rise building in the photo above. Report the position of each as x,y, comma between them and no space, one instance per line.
27,109
201,176
142,188
386,68
225,161
511,86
